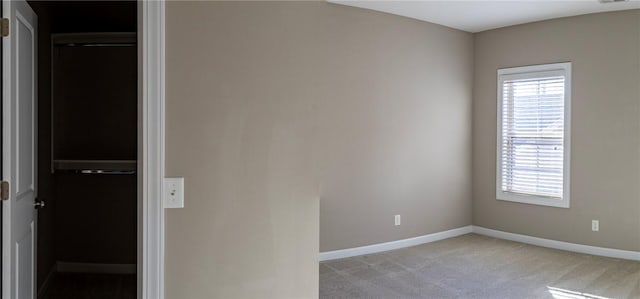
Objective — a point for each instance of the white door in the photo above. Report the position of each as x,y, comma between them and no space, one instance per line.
19,150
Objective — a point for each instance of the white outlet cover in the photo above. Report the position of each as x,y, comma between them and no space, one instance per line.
174,193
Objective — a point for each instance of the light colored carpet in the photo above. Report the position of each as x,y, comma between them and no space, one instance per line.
474,266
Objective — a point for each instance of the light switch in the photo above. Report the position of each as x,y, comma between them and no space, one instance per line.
173,193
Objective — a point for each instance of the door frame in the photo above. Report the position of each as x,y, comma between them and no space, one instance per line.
151,132
151,140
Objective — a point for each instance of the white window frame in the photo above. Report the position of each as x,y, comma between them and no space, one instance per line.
535,71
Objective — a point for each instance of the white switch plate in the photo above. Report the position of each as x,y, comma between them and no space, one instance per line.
595,225
173,193
397,220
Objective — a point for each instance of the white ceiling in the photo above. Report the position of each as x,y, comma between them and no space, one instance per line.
480,15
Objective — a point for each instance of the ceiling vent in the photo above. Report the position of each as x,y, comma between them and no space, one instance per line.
612,1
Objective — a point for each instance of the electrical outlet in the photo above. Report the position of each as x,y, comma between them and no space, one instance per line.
397,220
595,225
174,192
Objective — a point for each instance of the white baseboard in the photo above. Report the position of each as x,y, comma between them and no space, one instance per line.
349,252
95,268
47,281
601,251
369,249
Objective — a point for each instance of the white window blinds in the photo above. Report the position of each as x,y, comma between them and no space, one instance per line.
532,134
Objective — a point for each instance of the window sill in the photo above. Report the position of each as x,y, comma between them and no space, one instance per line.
533,200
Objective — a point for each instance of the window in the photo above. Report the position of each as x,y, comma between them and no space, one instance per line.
533,134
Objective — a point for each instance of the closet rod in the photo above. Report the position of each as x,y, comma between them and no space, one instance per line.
95,39
106,171
96,45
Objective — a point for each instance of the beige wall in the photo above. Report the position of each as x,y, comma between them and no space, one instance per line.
605,165
395,129
271,106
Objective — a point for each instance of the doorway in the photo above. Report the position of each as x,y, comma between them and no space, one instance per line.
19,262
87,149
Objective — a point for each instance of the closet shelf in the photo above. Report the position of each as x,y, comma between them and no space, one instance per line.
95,166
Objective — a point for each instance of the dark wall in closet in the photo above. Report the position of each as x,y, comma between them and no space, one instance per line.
95,118
46,233
88,218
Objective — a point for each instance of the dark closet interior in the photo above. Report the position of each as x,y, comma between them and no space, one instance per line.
87,149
